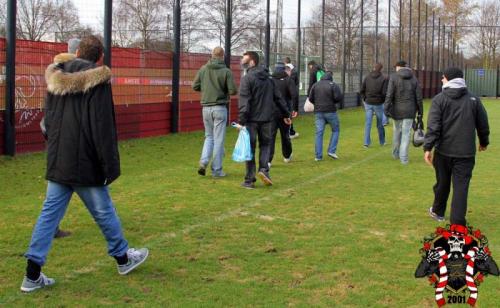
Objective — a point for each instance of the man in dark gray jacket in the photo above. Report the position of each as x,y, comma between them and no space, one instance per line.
454,118
402,103
324,95
259,99
373,92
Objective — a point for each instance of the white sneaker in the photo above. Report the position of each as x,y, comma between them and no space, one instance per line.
333,155
42,282
135,258
296,135
287,160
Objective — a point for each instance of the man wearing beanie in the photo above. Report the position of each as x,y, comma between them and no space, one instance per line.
402,103
455,117
216,83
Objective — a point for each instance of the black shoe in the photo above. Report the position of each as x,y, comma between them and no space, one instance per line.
264,177
202,171
61,233
248,185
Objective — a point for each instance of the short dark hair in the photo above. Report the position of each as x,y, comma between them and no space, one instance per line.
253,56
401,63
90,48
312,62
287,60
378,67
453,72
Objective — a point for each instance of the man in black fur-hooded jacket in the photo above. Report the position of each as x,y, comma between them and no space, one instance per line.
82,157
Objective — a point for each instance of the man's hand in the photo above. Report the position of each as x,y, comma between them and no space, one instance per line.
287,121
483,148
294,114
428,158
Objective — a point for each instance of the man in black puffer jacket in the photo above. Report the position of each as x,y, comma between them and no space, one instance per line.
402,103
325,94
454,118
82,157
373,91
288,91
259,99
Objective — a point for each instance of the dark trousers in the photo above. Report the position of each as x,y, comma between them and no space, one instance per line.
292,131
459,172
263,131
286,143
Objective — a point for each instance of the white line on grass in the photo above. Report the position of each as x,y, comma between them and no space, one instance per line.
229,214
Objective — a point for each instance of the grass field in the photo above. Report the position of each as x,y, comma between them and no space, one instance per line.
343,233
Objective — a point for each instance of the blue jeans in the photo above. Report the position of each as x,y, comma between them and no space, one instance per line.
401,139
98,202
215,121
321,119
385,119
379,112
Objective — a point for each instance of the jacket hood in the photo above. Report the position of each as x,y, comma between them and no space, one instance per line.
260,72
216,64
455,93
279,74
375,74
75,76
405,73
327,76
64,57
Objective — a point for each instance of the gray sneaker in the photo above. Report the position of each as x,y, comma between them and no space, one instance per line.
435,216
135,258
42,281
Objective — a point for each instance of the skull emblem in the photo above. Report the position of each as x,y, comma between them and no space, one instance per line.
456,243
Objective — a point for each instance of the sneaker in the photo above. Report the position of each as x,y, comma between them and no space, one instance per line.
248,185
333,155
61,233
135,258
366,146
220,175
435,216
202,170
264,177
296,135
269,165
29,285
318,159
287,160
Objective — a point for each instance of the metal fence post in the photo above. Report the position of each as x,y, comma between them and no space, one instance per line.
418,38
389,37
323,33
267,44
10,81
229,25
108,26
298,51
410,36
425,36
361,48
174,109
376,31
400,29
344,49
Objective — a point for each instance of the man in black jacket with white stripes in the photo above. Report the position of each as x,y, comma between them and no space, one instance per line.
455,117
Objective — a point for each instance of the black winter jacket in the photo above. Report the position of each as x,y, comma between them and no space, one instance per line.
374,88
325,94
288,91
454,117
80,124
259,97
404,94
312,77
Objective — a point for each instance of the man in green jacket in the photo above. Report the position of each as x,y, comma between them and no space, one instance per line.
216,83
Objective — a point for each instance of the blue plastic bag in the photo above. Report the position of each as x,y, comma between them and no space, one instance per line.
242,150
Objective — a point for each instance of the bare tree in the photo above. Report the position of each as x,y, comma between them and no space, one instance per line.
35,18
247,20
144,17
66,21
486,39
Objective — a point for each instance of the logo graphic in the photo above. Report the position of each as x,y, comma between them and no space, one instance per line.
456,259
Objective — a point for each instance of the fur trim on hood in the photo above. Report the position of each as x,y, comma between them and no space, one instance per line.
61,83
64,57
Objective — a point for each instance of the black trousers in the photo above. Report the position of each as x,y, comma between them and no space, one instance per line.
459,172
292,131
263,131
286,143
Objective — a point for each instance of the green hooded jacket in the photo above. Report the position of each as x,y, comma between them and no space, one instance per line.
216,83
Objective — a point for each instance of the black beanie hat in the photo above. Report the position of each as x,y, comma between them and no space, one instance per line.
452,73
